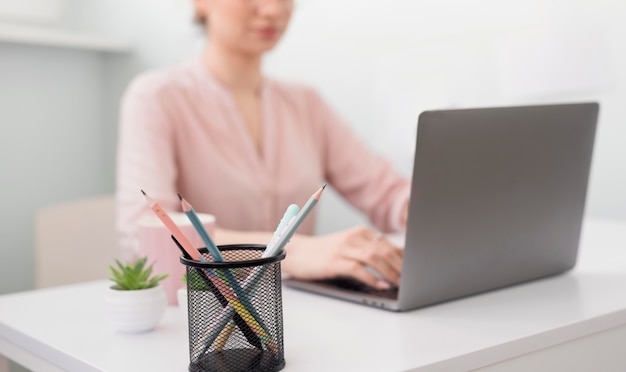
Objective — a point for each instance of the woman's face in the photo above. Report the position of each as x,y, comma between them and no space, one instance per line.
250,27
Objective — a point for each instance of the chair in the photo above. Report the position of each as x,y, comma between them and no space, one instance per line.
75,241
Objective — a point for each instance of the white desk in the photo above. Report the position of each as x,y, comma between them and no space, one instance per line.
572,322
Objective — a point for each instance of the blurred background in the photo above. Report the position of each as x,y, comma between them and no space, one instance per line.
64,65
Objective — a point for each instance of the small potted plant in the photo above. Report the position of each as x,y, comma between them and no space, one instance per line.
197,284
137,300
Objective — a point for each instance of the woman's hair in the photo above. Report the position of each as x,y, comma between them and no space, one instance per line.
199,19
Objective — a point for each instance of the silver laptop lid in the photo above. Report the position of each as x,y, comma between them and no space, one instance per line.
497,198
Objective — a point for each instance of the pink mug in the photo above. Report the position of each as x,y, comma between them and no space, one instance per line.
156,243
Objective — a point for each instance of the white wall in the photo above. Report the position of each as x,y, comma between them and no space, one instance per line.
379,63
51,144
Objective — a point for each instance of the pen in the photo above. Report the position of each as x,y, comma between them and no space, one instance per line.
250,283
239,299
291,211
192,252
233,299
216,327
252,338
306,209
235,304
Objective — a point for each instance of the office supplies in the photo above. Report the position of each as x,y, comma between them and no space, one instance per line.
193,217
167,221
250,285
192,252
239,299
251,282
306,209
252,338
204,312
291,211
581,315
497,199
153,240
222,338
234,304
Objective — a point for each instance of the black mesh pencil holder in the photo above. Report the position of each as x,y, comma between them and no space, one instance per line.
235,311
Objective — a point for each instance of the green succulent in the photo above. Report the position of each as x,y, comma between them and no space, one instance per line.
197,282
134,276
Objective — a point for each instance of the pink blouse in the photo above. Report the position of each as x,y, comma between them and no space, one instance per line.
181,131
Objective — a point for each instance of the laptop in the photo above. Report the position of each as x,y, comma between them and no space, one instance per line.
497,199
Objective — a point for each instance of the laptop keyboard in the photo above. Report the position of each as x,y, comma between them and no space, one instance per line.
357,286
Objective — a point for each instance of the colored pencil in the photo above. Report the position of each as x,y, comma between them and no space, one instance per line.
239,300
250,283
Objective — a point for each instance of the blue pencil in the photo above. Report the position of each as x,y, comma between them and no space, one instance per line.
289,224
204,235
217,257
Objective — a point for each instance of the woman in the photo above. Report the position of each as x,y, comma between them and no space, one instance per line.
243,147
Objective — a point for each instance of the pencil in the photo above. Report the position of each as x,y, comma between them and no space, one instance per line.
239,299
290,213
253,320
171,226
252,338
204,235
192,252
222,338
249,285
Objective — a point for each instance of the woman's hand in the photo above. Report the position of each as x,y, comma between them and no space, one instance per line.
345,253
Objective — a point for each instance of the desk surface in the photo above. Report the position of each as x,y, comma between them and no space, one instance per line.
68,325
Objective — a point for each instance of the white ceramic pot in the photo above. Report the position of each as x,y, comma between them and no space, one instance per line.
138,310
182,302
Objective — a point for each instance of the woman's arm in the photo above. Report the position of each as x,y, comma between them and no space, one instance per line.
345,253
365,179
